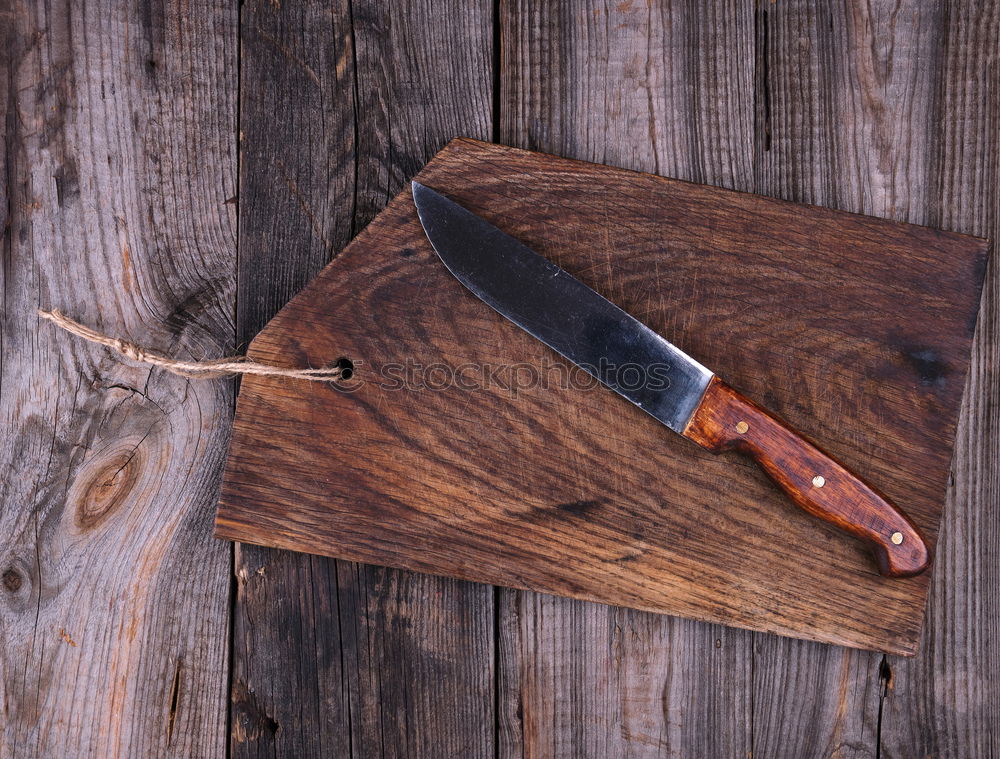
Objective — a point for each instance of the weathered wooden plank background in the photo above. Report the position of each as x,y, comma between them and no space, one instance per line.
174,173
119,159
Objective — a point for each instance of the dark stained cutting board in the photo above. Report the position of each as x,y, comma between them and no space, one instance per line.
854,329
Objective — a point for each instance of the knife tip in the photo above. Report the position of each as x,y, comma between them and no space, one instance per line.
423,197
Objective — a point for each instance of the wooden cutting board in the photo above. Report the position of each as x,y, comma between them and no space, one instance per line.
461,448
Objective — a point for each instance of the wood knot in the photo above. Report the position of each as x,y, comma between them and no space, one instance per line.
251,722
107,481
12,580
928,365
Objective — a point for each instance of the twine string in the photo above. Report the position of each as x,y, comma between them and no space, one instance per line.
206,369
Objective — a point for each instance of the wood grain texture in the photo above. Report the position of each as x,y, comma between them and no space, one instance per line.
882,107
946,701
340,103
666,88
725,420
119,159
584,679
844,116
859,111
554,471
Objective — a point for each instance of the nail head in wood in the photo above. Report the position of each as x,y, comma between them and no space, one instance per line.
819,481
897,538
742,427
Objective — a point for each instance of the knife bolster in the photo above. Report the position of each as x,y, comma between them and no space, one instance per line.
725,420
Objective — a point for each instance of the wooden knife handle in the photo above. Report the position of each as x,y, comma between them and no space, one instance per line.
726,420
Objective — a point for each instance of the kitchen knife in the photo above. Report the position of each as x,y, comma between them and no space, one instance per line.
655,375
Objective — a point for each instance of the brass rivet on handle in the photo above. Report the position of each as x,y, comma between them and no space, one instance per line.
818,481
742,427
897,538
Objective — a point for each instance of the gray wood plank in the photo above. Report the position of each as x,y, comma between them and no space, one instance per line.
946,701
341,103
847,105
668,89
119,157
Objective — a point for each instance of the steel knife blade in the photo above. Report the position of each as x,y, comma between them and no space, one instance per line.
634,361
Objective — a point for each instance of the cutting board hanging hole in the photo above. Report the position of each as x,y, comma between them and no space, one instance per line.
346,367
